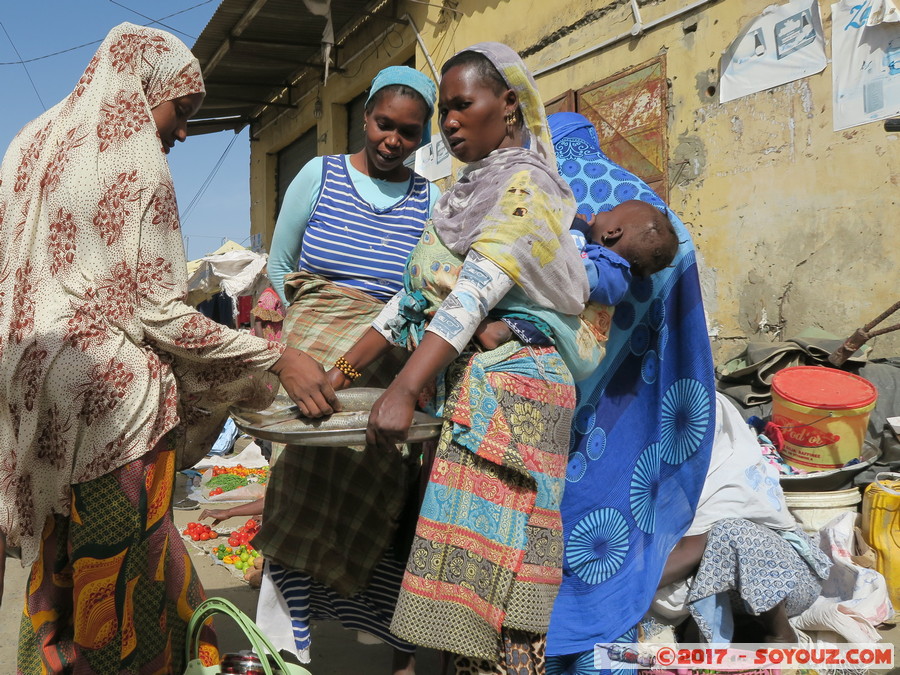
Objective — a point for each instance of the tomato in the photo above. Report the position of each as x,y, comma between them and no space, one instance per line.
213,535
195,537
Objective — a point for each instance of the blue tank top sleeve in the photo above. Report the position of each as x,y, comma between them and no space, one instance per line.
287,241
299,205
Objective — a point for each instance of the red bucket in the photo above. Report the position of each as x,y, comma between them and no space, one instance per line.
823,414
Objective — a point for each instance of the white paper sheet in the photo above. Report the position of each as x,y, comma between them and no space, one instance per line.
783,44
865,43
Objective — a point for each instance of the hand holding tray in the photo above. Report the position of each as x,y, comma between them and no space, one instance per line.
282,422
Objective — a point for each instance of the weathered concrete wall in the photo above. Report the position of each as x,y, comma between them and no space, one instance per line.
794,223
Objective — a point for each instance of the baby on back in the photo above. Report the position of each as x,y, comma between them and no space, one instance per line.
633,239
636,231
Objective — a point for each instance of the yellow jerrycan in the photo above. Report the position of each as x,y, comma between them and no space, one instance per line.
881,528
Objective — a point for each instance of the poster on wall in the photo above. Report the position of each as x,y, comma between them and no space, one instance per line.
784,43
433,160
865,61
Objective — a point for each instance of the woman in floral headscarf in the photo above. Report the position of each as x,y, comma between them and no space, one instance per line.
486,562
114,374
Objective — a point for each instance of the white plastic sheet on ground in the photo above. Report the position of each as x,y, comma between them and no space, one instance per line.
854,599
784,43
250,457
865,41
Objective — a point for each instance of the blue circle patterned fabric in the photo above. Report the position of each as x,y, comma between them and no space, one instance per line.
643,428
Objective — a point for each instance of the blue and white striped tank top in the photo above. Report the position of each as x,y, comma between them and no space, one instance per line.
354,244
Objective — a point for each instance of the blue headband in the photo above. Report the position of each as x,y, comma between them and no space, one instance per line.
409,77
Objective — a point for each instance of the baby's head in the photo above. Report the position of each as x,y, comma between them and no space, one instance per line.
638,232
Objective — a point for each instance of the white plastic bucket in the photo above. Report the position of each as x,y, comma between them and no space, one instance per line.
814,509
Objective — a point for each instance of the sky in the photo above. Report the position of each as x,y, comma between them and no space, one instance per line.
37,28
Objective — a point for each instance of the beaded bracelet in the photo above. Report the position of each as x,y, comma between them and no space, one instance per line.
344,366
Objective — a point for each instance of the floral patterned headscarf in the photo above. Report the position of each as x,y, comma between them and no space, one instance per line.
93,330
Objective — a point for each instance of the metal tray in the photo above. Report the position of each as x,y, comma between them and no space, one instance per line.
831,479
282,423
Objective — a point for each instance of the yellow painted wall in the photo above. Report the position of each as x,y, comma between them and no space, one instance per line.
377,45
794,223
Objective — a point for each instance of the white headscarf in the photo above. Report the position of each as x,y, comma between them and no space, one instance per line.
99,357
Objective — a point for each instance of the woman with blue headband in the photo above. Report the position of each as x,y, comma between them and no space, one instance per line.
345,230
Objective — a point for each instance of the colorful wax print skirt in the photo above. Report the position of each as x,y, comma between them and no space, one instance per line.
114,588
487,554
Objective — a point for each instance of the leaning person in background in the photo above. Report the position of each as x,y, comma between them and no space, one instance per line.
642,432
744,553
348,222
106,373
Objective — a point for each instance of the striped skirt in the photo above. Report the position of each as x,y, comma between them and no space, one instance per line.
369,611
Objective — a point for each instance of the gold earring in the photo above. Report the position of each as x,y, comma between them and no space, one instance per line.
510,119
365,126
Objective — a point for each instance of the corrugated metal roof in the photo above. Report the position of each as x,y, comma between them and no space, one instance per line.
252,49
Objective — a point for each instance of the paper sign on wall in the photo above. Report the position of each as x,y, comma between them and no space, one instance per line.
433,160
783,44
865,61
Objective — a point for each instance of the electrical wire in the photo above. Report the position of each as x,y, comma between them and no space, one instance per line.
33,86
47,56
206,183
152,20
96,42
182,11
